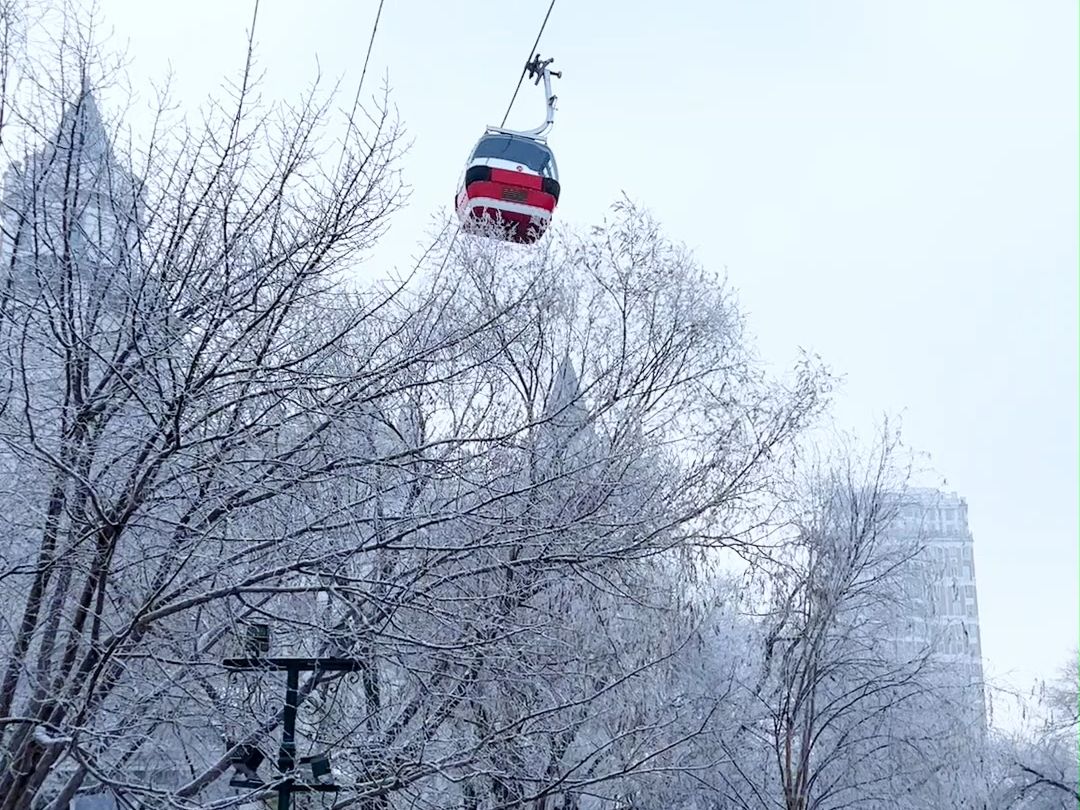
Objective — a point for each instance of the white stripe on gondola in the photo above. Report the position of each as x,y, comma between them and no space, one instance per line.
506,165
503,205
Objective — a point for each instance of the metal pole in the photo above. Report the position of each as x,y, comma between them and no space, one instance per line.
287,755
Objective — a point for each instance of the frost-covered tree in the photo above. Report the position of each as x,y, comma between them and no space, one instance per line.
593,487
174,360
1036,766
850,713
485,486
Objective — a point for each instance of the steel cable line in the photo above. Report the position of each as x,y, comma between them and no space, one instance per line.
528,58
521,78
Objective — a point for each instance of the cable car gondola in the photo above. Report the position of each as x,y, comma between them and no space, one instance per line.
510,186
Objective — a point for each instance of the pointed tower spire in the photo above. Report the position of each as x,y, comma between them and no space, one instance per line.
566,435
81,126
102,207
563,406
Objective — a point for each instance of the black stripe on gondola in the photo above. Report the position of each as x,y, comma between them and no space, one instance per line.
480,174
477,174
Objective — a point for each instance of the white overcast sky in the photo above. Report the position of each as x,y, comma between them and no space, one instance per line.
892,184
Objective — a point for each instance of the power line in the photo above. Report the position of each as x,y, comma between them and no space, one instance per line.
371,42
449,249
528,58
360,84
367,56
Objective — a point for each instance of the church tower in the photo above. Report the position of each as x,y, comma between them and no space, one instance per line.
70,215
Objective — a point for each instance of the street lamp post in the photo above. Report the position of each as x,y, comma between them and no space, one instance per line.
292,667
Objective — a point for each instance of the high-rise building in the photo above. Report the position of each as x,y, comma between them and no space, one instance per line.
944,614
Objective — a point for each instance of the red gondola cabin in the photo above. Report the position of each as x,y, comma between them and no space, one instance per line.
510,182
511,186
